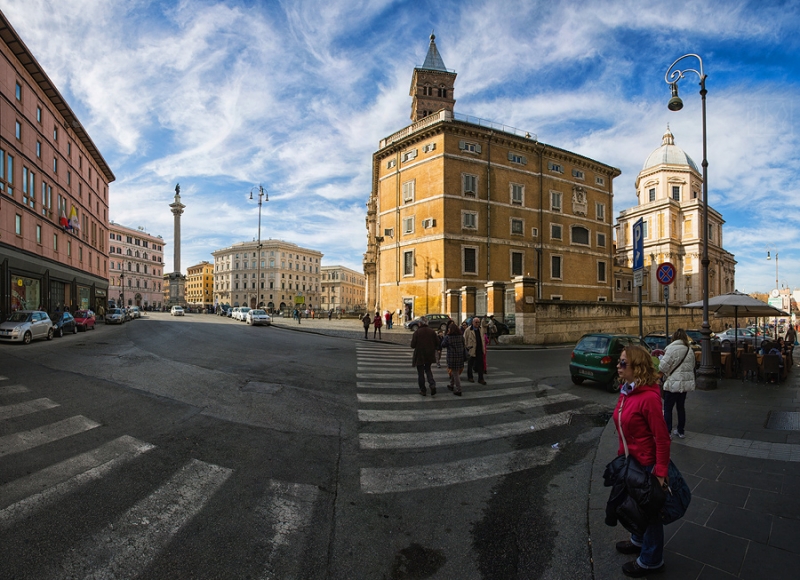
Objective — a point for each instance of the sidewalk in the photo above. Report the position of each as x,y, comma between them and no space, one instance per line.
741,457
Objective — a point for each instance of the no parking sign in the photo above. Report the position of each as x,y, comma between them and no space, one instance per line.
665,273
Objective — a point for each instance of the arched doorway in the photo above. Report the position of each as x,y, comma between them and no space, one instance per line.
138,299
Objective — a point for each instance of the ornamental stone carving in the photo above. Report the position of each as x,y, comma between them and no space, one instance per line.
579,200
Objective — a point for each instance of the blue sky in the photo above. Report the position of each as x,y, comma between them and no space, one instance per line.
222,96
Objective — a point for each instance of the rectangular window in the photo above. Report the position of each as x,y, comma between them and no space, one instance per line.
69,178
601,240
38,150
517,226
55,133
600,211
517,193
469,220
408,263
18,91
652,194
644,230
470,261
535,232
18,130
10,174
555,267
619,285
516,158
599,181
469,147
676,192
469,184
577,174
18,225
516,263
555,200
429,147
38,234
555,167
556,232
391,163
55,242
408,191
601,271
409,155
408,225
55,165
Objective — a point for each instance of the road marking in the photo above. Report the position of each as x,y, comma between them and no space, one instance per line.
459,412
405,384
43,488
284,518
13,389
441,376
418,440
377,480
415,398
2,378
26,408
25,440
127,547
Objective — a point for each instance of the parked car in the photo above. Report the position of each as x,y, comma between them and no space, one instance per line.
26,325
85,319
135,312
751,337
657,341
223,310
115,316
257,317
232,312
696,336
63,322
240,314
435,321
596,355
176,311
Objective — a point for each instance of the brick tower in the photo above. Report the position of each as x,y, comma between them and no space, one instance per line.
431,85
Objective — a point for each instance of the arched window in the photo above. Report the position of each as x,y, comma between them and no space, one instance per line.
580,235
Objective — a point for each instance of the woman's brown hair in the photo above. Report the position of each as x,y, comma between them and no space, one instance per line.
641,363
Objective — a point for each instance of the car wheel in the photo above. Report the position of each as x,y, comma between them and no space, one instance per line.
576,380
613,385
50,334
60,332
26,339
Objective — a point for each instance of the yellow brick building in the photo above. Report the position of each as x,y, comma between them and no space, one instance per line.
200,285
457,201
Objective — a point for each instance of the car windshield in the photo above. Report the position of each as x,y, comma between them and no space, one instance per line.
115,311
257,312
81,314
244,309
595,344
20,317
56,317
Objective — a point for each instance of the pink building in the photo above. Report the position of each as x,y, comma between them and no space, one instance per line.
136,267
53,193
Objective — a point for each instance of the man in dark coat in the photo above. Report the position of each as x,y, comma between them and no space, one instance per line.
473,340
424,342
366,320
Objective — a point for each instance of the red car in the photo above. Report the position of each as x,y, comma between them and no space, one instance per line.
85,319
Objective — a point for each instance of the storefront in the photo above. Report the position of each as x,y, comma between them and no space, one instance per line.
25,293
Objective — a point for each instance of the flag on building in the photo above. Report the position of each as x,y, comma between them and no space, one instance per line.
63,221
74,222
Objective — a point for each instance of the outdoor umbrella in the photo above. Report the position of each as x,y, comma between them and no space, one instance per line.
734,303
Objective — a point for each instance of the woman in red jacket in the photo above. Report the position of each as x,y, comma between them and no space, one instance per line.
639,419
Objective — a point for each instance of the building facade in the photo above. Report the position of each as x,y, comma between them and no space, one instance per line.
459,202
670,192
200,285
343,289
53,193
277,275
136,267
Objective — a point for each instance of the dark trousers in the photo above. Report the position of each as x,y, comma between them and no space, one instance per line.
671,400
366,332
422,372
475,364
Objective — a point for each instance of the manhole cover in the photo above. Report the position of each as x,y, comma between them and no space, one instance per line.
784,420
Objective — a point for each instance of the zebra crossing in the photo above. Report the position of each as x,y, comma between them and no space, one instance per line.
400,428
133,540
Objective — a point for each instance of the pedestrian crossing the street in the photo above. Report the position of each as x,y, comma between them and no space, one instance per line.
394,419
142,532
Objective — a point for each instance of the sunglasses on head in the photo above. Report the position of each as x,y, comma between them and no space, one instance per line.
623,364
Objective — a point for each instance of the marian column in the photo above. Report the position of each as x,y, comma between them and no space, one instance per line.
177,281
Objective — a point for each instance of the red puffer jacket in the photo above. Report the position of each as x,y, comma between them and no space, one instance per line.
644,427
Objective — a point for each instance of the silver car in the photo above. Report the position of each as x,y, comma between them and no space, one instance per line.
257,317
115,316
25,325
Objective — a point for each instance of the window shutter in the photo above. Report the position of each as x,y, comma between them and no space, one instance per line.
510,156
462,144
524,159
477,148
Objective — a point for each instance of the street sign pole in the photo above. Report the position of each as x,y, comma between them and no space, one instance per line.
665,274
638,264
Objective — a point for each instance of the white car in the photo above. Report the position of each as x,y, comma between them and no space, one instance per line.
241,313
257,317
26,325
176,311
135,312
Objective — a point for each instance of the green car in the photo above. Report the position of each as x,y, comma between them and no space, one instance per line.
595,357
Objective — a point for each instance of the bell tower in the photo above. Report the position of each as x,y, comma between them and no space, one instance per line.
432,85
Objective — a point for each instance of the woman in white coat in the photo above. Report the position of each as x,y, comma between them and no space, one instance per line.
677,366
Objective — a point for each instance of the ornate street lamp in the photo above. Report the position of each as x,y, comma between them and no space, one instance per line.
262,197
705,375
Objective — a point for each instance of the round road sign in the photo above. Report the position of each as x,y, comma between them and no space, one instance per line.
665,273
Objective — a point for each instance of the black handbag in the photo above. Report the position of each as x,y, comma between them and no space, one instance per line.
678,496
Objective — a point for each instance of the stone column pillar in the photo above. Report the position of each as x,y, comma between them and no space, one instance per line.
176,280
451,304
495,299
525,308
467,301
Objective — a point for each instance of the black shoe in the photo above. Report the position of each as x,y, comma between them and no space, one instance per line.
423,392
482,382
633,570
470,379
450,386
628,547
433,390
457,393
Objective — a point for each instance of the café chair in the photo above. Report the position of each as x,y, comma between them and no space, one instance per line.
748,365
771,364
716,360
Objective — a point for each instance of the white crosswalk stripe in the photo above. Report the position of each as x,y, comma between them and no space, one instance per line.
25,440
13,389
126,547
26,408
394,417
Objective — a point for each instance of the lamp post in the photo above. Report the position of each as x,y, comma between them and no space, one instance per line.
706,375
777,288
262,197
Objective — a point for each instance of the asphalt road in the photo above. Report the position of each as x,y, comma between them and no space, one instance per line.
200,447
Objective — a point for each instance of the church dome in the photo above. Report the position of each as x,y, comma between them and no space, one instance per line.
669,154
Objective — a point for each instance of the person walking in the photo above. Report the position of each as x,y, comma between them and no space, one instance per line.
677,368
389,319
424,342
453,344
366,321
473,339
439,335
378,323
791,336
643,434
